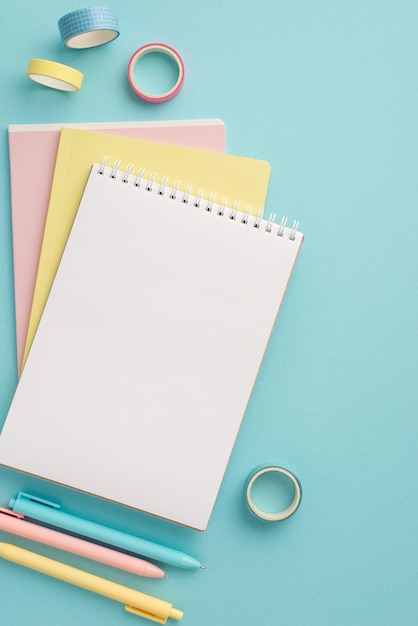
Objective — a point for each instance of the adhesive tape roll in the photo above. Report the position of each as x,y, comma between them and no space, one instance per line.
164,49
87,28
280,480
55,75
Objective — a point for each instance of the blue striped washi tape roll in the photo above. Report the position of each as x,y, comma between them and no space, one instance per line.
87,28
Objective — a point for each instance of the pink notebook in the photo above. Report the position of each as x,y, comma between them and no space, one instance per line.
32,153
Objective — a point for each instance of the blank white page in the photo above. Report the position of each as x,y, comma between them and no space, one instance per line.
148,349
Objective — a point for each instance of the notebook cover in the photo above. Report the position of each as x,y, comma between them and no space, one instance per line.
234,177
32,155
148,348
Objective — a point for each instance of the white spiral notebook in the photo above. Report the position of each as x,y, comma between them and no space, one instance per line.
149,346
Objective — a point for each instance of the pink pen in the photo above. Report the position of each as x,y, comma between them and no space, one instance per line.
14,523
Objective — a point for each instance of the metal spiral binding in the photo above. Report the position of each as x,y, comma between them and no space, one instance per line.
125,177
103,165
222,206
246,215
292,235
197,201
235,208
186,194
198,198
151,181
270,222
139,177
209,205
175,189
257,222
282,225
163,185
115,169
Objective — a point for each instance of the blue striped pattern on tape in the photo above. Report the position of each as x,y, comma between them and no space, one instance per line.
87,20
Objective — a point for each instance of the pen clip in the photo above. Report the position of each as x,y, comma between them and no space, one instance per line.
141,613
11,513
27,496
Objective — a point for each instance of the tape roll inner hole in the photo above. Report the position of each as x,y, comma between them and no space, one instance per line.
156,73
273,494
91,38
51,81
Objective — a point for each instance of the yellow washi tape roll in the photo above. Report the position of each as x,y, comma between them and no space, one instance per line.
54,75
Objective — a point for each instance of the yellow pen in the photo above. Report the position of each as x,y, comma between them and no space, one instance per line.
135,602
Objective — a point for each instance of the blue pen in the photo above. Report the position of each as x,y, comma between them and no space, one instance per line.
51,513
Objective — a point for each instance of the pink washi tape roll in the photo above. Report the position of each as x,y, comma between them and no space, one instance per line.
163,49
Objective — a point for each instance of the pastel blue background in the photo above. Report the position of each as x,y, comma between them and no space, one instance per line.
326,90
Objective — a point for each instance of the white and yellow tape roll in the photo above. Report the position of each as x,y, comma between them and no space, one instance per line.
54,75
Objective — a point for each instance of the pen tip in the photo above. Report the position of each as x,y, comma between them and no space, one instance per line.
202,567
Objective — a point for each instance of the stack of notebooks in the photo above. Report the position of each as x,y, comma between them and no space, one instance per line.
147,286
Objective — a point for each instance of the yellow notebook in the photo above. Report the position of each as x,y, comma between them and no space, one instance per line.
233,179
